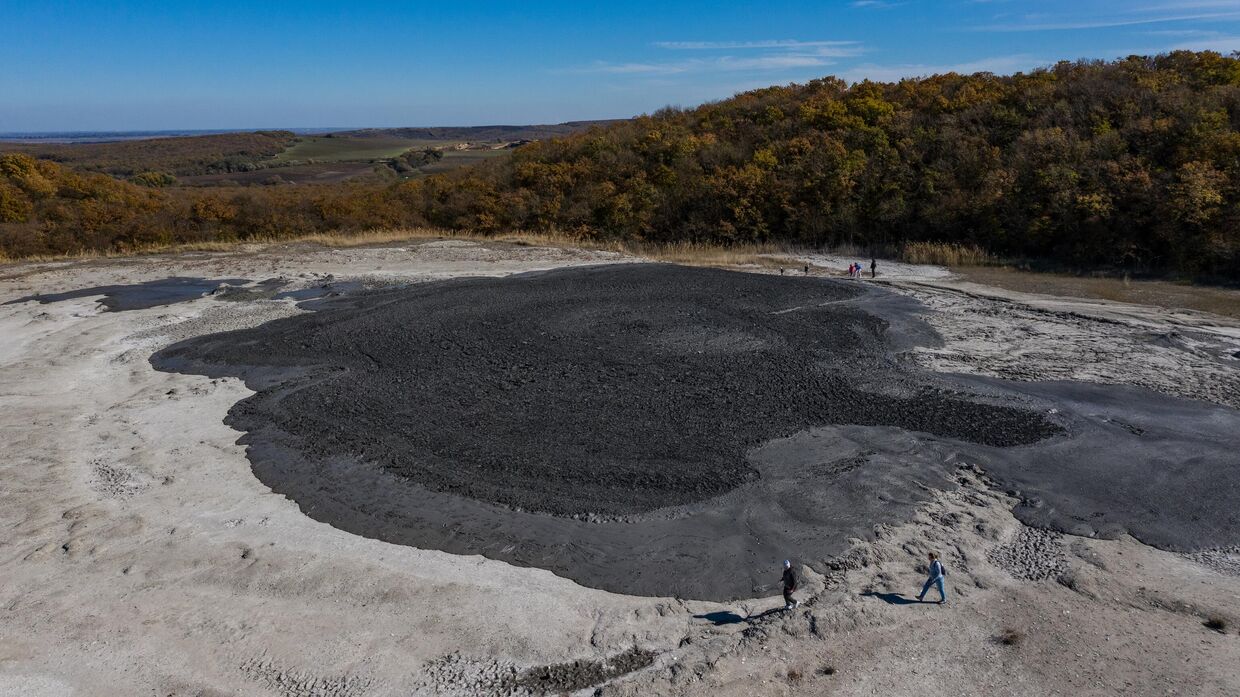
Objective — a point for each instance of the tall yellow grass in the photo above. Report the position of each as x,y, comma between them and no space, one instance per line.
946,254
690,253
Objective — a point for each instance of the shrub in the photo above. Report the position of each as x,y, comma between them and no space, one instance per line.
1010,637
153,179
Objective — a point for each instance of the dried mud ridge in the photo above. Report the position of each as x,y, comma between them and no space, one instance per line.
660,430
456,674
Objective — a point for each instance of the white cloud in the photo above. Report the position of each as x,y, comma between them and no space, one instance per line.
766,63
788,44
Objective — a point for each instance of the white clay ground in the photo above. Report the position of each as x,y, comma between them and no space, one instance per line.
139,555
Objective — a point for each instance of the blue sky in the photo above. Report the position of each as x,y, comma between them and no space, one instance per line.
128,65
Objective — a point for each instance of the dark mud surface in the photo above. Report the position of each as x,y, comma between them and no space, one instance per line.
140,296
660,430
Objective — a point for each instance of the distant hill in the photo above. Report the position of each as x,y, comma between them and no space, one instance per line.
186,155
36,137
478,133
243,157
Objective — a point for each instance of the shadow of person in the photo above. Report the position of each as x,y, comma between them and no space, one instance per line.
892,598
720,618
723,617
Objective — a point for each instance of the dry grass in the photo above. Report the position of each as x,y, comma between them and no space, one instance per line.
944,254
697,254
689,253
145,250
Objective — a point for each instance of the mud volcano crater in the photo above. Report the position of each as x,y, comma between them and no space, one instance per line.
614,391
661,430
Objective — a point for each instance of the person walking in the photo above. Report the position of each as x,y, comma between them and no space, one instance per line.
935,579
873,267
790,585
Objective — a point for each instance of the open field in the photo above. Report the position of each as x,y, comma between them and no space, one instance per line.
325,173
140,517
245,157
460,158
1221,301
341,149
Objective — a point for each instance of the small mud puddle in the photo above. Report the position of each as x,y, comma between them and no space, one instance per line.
140,296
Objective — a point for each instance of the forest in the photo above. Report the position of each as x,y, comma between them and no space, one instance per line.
1127,165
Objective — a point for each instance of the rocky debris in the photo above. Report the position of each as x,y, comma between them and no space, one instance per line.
114,480
1032,554
454,674
218,318
294,683
576,675
979,334
1225,560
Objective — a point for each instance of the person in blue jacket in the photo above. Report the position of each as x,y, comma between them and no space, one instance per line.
935,579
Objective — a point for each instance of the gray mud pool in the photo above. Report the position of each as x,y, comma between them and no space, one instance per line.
179,289
669,431
140,296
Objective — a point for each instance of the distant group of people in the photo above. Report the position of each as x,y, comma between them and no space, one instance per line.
856,270
935,579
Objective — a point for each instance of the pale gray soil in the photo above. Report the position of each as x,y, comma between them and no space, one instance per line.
141,555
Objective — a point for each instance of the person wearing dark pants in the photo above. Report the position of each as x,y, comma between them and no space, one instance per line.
873,267
790,585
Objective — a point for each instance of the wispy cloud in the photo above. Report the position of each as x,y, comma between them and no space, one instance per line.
1133,14
1180,32
733,56
875,4
1181,5
788,44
